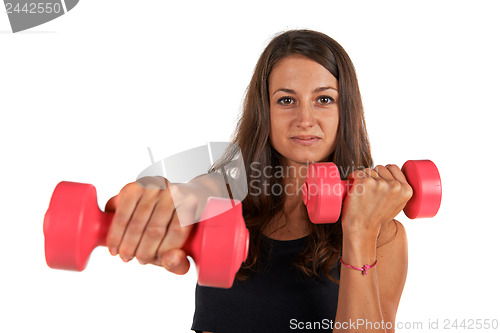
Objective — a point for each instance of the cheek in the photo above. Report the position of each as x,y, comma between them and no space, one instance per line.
331,128
334,127
277,124
278,131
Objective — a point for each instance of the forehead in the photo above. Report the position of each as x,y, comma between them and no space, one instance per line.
300,70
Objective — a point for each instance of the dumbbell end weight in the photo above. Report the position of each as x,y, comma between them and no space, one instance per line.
68,240
423,177
220,244
323,192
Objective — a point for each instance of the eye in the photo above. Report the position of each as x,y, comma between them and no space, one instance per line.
325,99
286,100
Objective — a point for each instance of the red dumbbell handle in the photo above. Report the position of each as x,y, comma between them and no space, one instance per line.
101,229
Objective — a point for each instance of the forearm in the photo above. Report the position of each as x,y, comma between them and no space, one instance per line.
359,308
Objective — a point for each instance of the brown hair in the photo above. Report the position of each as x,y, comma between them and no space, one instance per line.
352,150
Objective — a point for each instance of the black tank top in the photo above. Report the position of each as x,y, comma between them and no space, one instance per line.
279,299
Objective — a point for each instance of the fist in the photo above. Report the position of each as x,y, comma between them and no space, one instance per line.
375,197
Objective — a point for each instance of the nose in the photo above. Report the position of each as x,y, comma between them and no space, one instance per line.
305,117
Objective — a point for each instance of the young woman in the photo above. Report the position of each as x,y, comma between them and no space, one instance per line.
302,106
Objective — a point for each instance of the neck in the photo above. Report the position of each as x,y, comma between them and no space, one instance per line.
293,224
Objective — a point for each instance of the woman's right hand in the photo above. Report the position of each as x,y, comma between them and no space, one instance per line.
146,223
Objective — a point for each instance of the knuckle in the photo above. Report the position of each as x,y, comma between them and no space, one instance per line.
179,231
174,228
166,199
144,209
148,198
129,188
408,191
155,231
384,184
165,208
120,219
369,182
135,227
395,187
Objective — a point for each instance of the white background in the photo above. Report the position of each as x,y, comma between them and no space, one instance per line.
83,96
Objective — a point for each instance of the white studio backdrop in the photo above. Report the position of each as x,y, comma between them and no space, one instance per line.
83,97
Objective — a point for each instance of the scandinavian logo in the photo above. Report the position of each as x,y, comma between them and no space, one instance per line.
26,14
182,167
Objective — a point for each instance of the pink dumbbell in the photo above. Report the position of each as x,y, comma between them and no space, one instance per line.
323,191
74,225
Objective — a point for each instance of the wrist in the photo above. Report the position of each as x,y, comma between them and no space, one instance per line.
359,251
360,236
360,229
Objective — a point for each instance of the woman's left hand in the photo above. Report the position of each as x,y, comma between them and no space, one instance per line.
375,197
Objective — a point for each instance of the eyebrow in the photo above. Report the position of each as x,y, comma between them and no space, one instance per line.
317,90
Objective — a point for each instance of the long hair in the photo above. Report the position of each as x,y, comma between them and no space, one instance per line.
352,148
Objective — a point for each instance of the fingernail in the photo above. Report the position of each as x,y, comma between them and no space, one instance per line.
141,262
113,251
126,259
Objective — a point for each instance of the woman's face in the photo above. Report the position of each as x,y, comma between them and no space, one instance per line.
304,105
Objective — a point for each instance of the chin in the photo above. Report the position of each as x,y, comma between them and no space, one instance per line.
306,159
304,156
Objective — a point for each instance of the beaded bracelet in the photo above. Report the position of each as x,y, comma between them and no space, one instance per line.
364,269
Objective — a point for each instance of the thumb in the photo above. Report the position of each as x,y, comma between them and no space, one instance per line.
175,261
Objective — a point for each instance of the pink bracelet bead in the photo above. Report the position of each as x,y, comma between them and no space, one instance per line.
364,269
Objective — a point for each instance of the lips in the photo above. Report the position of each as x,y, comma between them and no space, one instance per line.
305,137
305,140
